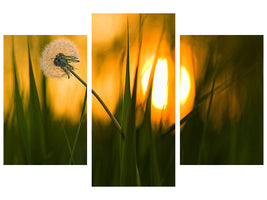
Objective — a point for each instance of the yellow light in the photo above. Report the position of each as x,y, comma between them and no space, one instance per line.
184,85
160,83
145,78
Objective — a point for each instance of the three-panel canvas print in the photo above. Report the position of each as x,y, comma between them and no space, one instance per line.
142,82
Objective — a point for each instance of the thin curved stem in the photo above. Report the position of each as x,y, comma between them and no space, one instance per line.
76,75
109,113
115,121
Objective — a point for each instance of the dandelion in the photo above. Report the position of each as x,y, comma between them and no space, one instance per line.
58,58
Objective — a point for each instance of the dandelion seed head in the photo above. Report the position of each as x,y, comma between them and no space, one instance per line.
60,60
53,58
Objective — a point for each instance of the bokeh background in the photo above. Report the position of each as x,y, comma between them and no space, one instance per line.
222,114
108,79
41,114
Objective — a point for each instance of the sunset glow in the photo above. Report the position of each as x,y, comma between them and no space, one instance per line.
184,85
160,84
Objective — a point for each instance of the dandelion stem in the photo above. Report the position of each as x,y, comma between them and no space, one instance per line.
115,121
109,113
77,76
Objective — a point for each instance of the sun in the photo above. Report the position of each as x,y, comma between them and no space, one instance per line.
184,85
160,83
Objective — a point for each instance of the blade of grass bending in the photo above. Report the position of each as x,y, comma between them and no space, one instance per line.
225,85
216,90
187,116
38,149
79,127
169,130
20,113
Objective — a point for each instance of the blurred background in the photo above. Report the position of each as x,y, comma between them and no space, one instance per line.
108,55
221,99
41,114
108,79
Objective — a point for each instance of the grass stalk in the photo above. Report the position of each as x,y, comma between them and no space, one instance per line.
129,175
79,127
68,142
149,171
202,153
127,92
20,112
216,90
36,126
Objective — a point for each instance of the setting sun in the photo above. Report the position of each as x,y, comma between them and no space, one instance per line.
160,83
184,85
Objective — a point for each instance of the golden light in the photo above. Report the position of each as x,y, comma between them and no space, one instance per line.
184,85
187,80
160,83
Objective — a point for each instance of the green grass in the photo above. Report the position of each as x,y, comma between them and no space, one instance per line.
79,128
32,135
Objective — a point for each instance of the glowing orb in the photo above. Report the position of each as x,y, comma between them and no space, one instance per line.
184,85
160,83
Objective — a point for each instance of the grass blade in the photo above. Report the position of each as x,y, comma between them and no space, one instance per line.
38,149
78,130
127,92
202,158
149,170
68,142
169,130
129,171
217,90
22,127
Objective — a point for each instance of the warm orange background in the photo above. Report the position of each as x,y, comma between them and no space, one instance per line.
108,60
64,96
